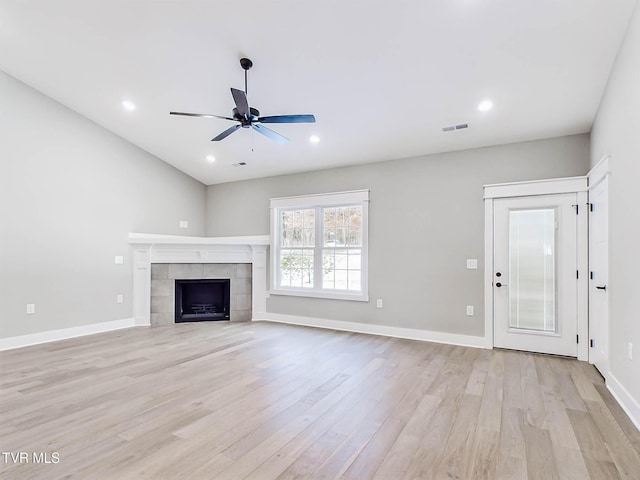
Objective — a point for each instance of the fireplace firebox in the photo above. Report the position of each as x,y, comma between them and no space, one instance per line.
202,300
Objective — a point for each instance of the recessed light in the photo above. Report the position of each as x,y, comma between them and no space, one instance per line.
314,139
211,158
485,105
129,106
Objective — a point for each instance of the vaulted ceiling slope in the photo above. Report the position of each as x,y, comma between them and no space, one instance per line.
381,77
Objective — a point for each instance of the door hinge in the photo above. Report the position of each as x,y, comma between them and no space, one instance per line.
577,274
591,343
576,207
591,275
577,338
590,205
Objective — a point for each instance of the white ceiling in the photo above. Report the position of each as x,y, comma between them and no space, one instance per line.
382,77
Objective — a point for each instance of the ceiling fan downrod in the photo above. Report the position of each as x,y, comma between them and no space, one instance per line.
246,64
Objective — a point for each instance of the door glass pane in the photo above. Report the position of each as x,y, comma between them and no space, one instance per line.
532,270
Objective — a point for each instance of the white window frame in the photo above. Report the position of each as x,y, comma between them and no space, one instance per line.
336,199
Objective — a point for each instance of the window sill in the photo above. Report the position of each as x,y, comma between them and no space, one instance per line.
356,297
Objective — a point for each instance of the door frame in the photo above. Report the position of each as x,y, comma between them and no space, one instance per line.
596,175
576,185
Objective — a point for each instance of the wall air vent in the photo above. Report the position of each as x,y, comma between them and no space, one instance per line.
239,164
453,128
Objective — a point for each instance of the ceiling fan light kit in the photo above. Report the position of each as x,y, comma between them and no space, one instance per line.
249,117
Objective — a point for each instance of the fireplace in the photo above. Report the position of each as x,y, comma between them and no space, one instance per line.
202,299
160,260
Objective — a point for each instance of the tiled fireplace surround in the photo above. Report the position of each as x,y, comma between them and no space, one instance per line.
161,259
164,276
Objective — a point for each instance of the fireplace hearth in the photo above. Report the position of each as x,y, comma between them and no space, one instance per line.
202,300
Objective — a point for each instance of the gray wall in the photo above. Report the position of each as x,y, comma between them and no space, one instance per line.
70,192
616,131
426,218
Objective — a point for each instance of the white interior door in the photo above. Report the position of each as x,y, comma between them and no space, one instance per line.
535,265
599,276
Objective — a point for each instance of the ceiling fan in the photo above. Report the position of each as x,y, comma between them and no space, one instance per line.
249,117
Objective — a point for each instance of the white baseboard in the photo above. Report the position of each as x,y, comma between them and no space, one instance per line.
64,333
142,321
384,330
629,404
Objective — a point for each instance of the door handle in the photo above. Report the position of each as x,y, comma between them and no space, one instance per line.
501,284
603,287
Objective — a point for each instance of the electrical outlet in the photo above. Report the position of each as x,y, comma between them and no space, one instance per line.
470,310
379,303
119,298
31,308
119,260
472,263
630,350
184,224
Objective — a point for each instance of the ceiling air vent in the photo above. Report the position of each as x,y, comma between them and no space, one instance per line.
239,164
453,128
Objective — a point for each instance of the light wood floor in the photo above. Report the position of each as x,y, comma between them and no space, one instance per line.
266,401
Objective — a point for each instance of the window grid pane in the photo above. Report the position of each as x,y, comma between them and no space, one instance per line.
297,228
296,268
342,268
342,226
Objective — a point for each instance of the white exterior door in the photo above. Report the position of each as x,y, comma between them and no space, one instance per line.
535,290
599,276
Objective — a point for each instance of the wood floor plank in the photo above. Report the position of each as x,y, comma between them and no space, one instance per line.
512,444
310,437
511,468
483,457
512,387
316,454
570,395
625,457
570,463
456,455
397,459
631,433
541,463
589,438
260,401
427,456
559,425
368,461
534,411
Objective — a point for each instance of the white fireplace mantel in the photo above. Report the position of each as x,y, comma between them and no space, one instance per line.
154,248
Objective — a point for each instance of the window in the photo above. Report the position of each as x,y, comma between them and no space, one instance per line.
319,245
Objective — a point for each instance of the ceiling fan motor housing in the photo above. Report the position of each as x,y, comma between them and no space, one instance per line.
255,113
245,63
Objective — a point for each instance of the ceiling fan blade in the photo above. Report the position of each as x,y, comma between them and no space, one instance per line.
226,133
288,119
204,115
241,102
267,132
